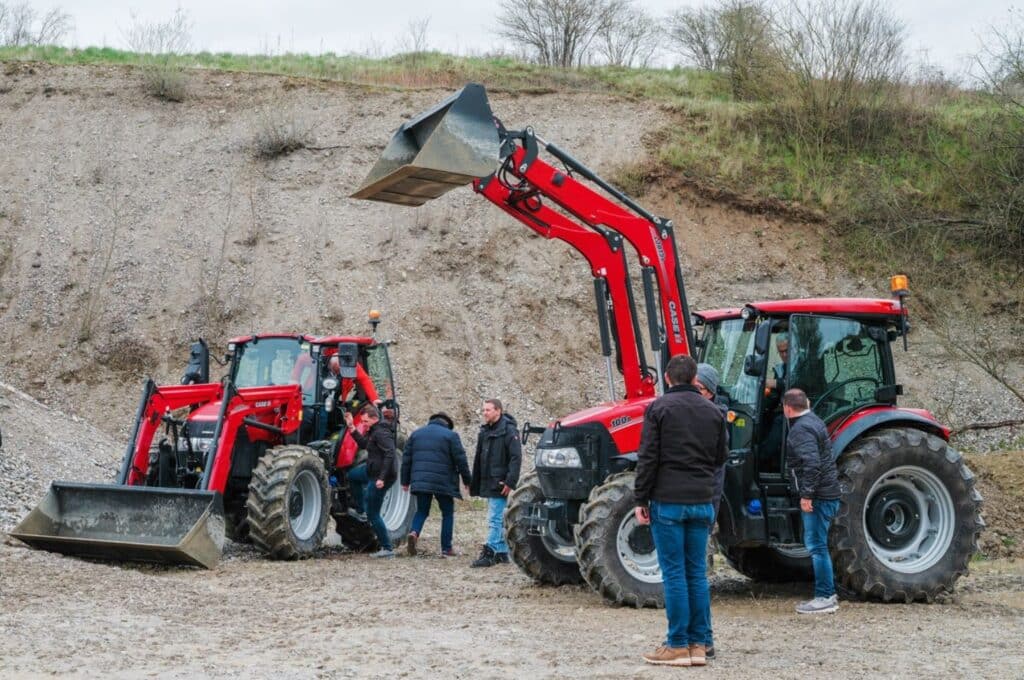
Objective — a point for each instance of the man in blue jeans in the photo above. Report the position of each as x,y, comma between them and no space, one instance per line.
495,475
682,445
813,469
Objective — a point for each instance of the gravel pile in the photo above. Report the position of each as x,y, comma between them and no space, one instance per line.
40,445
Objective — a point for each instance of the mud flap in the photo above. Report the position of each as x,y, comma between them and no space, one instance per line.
439,150
131,523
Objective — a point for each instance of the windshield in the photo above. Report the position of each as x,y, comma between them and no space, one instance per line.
726,344
276,361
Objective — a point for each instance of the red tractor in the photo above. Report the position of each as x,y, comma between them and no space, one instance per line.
910,515
257,457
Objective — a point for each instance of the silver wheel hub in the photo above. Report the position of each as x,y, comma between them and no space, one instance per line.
395,507
909,519
635,550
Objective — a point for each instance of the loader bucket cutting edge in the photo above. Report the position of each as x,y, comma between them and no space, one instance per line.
439,150
131,523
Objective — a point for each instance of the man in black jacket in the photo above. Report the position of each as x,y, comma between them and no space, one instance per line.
810,462
432,463
379,442
681,447
495,475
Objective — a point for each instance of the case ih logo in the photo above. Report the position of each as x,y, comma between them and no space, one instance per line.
621,420
261,404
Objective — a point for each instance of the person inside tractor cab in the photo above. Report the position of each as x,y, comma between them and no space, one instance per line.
774,386
354,392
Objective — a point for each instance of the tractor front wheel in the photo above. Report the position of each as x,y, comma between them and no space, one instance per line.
910,517
616,554
549,559
287,506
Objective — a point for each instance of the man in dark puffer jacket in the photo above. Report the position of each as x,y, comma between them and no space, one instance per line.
810,462
432,463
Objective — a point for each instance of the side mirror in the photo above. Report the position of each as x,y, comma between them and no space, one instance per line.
198,369
762,336
348,356
753,364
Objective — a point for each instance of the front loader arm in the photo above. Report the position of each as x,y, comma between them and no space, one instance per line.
652,237
606,257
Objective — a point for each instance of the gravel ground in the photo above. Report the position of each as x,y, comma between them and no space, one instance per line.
345,615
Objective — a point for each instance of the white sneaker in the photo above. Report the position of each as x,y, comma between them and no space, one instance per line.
819,605
384,554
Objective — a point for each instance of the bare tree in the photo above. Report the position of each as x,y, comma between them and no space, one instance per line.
556,32
21,24
630,38
735,37
415,38
845,58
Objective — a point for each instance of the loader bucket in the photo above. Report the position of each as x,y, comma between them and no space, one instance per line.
437,151
131,523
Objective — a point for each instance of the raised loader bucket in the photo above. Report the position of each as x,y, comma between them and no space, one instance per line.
437,151
134,523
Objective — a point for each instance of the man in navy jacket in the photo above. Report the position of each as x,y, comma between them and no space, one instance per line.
432,463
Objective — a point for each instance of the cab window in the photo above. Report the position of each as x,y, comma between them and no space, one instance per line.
836,362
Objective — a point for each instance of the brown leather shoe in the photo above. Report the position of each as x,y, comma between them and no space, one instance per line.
698,655
669,656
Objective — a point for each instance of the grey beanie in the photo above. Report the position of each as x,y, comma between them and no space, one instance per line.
708,377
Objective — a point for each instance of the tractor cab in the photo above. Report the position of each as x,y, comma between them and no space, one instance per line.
836,350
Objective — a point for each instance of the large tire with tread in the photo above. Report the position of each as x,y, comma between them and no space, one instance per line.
617,555
545,560
910,517
769,564
397,512
288,502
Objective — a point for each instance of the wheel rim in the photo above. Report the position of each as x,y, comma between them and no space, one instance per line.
395,508
909,519
304,504
635,547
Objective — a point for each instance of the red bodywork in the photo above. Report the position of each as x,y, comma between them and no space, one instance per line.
278,407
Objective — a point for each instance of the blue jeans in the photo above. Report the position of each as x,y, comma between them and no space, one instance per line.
447,505
495,530
357,485
680,533
816,524
374,501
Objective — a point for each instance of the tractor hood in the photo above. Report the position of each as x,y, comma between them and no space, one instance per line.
623,420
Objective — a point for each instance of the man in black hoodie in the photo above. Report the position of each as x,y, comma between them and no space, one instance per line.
810,462
495,475
682,445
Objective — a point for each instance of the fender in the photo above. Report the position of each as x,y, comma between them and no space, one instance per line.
861,422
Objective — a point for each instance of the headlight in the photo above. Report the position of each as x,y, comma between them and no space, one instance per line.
567,457
201,444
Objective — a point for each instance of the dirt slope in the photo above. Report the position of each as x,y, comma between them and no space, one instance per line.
130,225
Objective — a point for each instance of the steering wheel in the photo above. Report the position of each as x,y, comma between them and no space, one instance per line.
835,387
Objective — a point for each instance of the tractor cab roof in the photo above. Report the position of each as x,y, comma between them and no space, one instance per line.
861,308
302,337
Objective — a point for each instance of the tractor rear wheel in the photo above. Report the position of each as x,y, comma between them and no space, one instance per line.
910,517
549,559
287,505
615,552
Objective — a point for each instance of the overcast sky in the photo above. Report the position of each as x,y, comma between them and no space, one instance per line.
947,31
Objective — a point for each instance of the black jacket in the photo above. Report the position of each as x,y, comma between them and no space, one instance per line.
433,461
809,458
379,442
682,445
499,454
